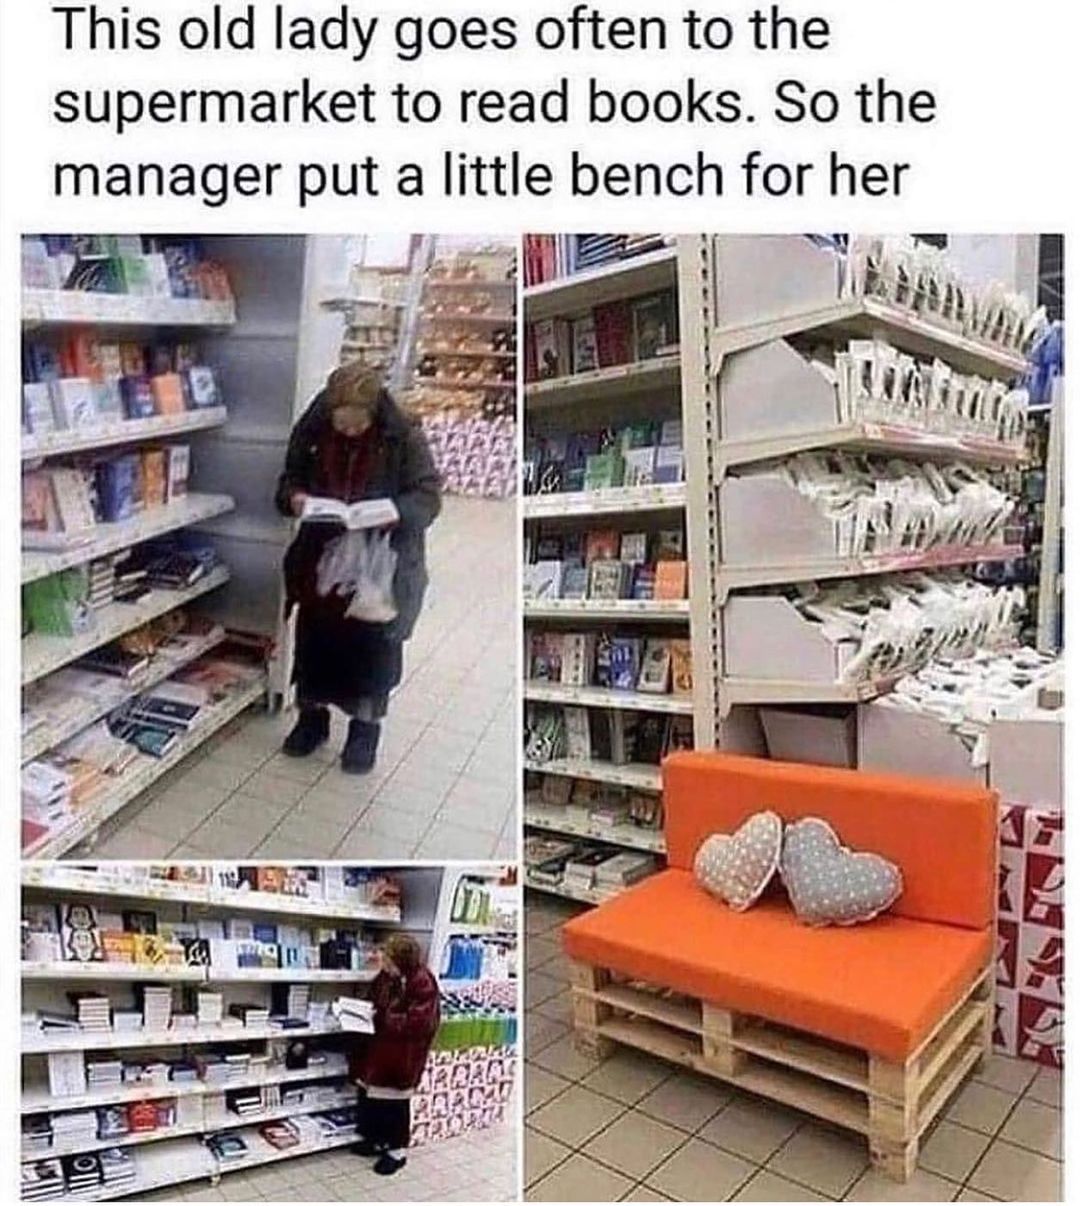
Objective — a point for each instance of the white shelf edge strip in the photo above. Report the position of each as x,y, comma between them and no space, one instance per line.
179,973
120,1040
146,771
61,878
124,309
637,775
616,835
128,431
43,653
163,666
112,537
605,502
604,697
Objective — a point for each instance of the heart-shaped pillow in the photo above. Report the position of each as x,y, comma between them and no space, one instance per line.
738,866
831,885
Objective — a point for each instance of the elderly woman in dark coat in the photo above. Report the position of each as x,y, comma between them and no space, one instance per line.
353,443
388,1066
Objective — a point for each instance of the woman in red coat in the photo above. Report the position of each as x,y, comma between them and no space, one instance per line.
388,1067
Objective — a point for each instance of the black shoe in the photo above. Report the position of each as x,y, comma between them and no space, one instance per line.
358,756
312,728
364,1148
387,1165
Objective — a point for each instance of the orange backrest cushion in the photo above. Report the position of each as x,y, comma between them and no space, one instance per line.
943,837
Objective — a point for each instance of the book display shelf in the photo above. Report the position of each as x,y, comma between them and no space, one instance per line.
160,386
851,417
607,609
179,1022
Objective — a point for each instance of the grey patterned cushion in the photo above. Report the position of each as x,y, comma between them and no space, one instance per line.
738,866
831,885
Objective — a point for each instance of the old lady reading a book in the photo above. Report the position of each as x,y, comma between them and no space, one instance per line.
360,477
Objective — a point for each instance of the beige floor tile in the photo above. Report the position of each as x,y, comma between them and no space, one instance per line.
752,1127
952,1151
827,1161
642,1193
766,1186
541,1032
1005,1073
242,809
301,770
480,803
1046,1087
230,837
973,1195
1035,1126
923,1186
542,1154
264,785
310,841
560,1007
575,1116
363,843
699,1172
408,827
539,950
1015,1174
447,841
539,987
163,817
635,1144
980,1107
133,842
541,1087
628,1076
686,1101
579,1179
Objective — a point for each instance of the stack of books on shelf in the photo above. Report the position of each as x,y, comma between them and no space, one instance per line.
652,665
75,1128
209,1007
117,1170
281,1134
156,1007
636,455
603,735
37,1133
606,564
252,1016
42,1181
104,1073
227,1146
93,1011
548,257
625,331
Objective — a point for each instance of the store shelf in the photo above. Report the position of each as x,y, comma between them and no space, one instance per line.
602,384
884,438
555,820
466,353
731,578
580,291
448,383
671,610
616,500
117,1040
127,431
41,1099
128,972
107,538
779,691
71,306
142,772
471,284
866,318
581,895
162,667
158,1135
465,319
288,975
641,775
56,877
265,1153
43,653
605,697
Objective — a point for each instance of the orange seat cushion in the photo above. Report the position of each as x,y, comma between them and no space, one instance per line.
942,836
882,986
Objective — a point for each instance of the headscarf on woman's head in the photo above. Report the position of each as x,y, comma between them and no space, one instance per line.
405,952
353,386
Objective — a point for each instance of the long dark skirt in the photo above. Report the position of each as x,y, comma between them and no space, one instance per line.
385,1121
344,662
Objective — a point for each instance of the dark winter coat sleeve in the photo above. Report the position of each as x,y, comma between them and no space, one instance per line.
418,499
299,459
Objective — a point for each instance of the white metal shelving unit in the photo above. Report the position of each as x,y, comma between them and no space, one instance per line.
610,395
176,1154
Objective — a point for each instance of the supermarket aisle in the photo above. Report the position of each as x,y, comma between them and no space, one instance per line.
474,1168
633,1128
445,782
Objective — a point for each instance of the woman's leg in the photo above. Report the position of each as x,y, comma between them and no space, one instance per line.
362,743
397,1133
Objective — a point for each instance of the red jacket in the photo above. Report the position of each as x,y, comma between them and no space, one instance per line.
406,1018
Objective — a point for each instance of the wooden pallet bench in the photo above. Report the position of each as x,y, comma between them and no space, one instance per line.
892,1104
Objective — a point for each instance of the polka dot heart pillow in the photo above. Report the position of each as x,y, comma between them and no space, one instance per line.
828,884
737,866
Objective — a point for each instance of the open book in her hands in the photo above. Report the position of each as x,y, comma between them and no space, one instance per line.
369,513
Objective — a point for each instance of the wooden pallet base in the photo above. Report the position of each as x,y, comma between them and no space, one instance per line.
891,1104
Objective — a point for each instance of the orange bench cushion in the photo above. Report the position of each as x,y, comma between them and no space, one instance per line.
942,836
882,986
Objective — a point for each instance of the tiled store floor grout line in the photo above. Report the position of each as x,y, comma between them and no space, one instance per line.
771,1172
445,784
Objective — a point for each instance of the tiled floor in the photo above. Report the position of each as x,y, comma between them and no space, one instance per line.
475,1168
636,1129
445,783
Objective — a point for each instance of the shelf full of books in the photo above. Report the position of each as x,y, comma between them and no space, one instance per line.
163,1046
464,380
607,593
125,662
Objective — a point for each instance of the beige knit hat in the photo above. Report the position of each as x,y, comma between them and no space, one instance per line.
353,385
